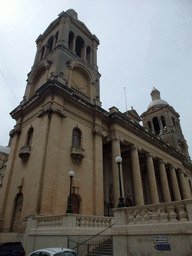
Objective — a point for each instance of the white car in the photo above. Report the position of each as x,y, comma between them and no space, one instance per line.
54,252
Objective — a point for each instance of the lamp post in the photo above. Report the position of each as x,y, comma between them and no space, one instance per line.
121,203
69,207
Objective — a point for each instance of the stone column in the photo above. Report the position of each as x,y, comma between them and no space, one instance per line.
38,53
54,42
116,151
84,52
91,57
74,43
94,55
175,185
152,179
164,181
184,186
61,30
137,182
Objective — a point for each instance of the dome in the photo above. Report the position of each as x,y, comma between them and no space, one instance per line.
157,102
156,99
4,149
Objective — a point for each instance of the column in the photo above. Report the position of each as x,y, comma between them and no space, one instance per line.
38,53
152,180
84,52
91,57
74,43
175,185
164,181
94,55
61,30
54,42
137,182
184,186
116,151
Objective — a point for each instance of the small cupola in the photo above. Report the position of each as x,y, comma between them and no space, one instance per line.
156,99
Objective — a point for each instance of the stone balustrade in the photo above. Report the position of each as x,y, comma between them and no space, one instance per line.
177,211
73,221
50,221
93,222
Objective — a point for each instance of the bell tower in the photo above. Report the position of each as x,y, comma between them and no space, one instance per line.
66,52
55,128
162,120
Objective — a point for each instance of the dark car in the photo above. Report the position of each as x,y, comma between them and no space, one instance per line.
11,249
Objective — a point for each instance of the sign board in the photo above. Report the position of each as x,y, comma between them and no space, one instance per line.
160,239
163,247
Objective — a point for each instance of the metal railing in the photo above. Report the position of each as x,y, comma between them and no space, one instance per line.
90,246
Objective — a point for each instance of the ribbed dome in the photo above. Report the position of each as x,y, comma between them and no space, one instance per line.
156,99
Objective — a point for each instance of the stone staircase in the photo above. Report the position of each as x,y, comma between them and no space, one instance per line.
105,249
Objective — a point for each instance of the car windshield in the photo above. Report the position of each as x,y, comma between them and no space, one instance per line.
11,247
66,254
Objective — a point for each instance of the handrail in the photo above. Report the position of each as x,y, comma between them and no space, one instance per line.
93,236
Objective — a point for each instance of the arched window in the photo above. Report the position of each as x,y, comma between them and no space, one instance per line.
163,122
88,54
173,120
156,125
29,136
70,41
17,212
76,139
149,126
56,36
79,46
50,44
42,52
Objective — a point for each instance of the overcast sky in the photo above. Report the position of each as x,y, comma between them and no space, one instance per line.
143,44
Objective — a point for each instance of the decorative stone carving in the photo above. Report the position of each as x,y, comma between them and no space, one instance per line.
77,155
100,133
51,109
24,153
16,130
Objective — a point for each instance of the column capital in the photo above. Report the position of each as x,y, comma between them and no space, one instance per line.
149,154
134,146
162,161
173,166
117,137
99,132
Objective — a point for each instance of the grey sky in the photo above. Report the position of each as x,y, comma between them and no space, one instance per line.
143,44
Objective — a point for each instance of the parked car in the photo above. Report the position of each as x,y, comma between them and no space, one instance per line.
54,252
11,249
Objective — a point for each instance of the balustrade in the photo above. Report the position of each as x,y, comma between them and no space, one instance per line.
158,213
50,221
81,221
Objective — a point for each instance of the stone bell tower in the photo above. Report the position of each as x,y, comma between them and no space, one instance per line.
162,120
67,52
54,129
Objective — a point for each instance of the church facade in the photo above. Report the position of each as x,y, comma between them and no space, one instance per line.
61,126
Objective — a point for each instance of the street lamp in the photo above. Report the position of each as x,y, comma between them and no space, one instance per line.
121,203
69,207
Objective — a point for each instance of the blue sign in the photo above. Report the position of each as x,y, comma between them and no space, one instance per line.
163,247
